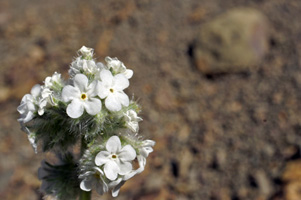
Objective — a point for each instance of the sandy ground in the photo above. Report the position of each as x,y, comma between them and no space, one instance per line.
234,135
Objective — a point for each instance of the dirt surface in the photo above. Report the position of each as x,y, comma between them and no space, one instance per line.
227,136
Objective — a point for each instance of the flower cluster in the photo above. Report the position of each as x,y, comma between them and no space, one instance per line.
90,108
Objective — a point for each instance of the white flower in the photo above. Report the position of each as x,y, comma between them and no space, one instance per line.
116,159
53,81
27,108
142,163
132,120
115,186
82,96
101,66
111,87
46,98
84,63
94,179
146,147
80,65
86,52
118,67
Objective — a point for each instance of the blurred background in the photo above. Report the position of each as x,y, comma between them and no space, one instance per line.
219,82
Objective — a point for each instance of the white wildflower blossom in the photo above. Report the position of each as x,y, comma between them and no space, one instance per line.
132,120
80,65
142,163
53,81
111,88
106,160
146,147
86,52
116,159
101,66
82,96
28,108
84,63
51,84
94,179
118,67
46,98
115,186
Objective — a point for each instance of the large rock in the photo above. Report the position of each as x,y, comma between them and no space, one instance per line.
232,42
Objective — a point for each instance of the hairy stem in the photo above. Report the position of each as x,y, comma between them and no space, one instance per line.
83,146
85,195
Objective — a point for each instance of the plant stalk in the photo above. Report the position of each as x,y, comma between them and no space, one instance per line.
84,195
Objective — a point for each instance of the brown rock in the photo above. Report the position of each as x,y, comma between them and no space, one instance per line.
292,177
264,183
292,191
233,42
292,171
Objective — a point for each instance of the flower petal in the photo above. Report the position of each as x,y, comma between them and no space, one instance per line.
75,109
122,98
106,77
86,185
100,65
127,153
29,116
128,73
142,162
92,89
116,186
98,170
145,151
102,90
111,170
125,168
113,145
30,106
115,183
81,81
148,143
120,82
35,90
92,106
69,92
101,187
102,158
112,103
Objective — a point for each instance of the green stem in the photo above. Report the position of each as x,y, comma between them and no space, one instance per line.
85,195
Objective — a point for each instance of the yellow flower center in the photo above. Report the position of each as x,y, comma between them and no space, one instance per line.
97,175
111,90
83,96
114,156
